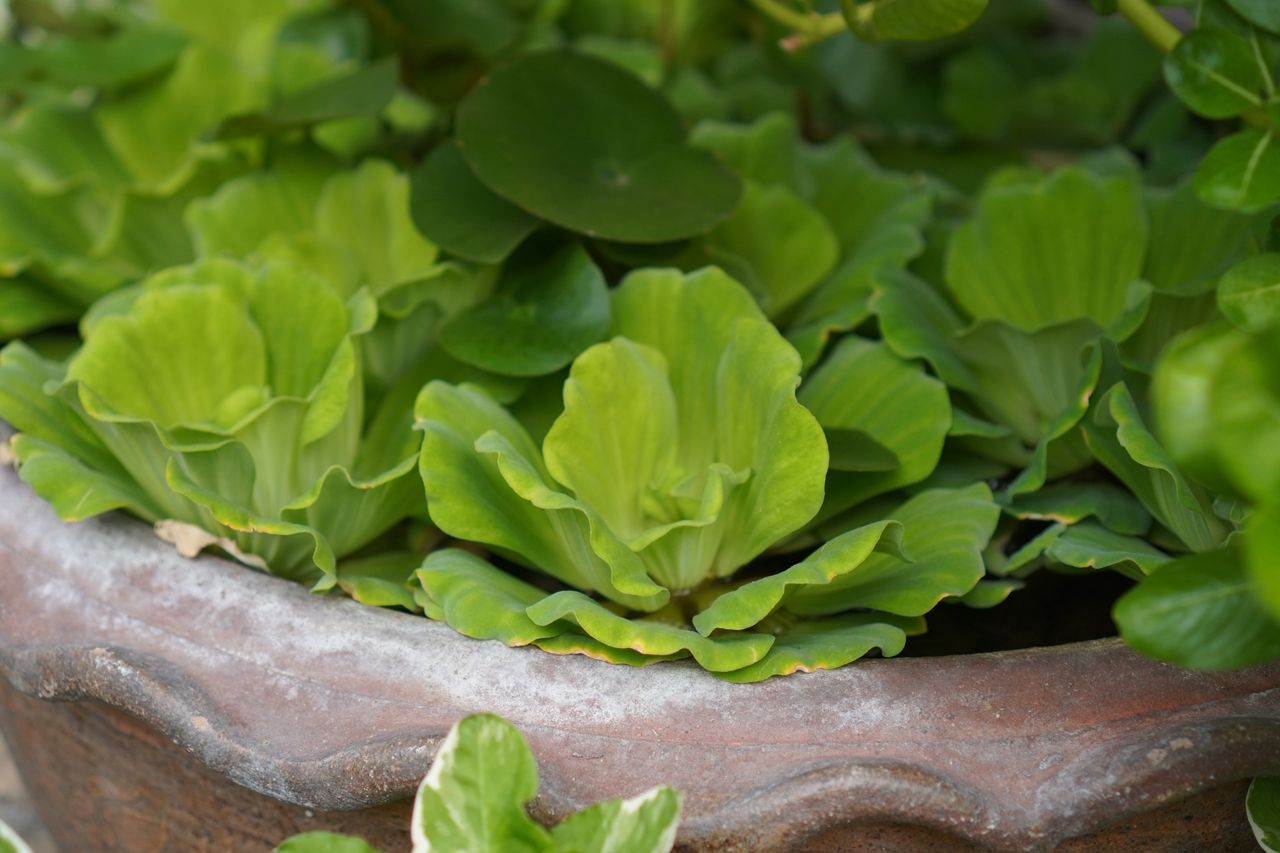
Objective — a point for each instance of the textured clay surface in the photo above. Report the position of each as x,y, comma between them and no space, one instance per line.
242,685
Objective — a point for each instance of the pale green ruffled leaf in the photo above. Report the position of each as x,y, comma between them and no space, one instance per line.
779,246
383,580
863,386
481,601
1038,255
725,361
1117,436
818,644
716,654
944,533
486,482
747,605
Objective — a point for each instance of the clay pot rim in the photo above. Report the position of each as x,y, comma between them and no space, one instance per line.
171,641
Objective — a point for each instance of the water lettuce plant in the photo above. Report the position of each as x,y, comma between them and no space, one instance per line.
474,798
774,332
225,399
655,500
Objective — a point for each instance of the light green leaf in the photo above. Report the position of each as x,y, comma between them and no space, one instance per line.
1263,801
1241,172
324,842
1215,72
461,215
1249,294
944,532
475,794
601,153
1219,409
573,642
243,213
816,644
1038,255
481,601
987,594
547,308
733,378
609,448
366,211
486,482
766,152
780,246
643,824
717,654
744,607
1260,549
1117,436
1190,243
383,580
863,386
1199,611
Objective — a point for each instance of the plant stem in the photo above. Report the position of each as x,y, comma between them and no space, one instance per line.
809,27
1153,26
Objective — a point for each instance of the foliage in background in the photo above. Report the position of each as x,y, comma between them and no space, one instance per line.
474,798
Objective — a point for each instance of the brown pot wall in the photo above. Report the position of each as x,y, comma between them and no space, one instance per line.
160,703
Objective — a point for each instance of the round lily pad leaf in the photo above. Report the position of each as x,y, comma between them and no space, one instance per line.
548,307
1242,172
461,215
584,144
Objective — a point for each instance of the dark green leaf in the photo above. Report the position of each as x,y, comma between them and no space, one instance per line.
1215,73
461,215
365,92
1264,13
586,145
911,20
547,308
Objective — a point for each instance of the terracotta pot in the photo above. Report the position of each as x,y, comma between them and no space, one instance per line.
160,703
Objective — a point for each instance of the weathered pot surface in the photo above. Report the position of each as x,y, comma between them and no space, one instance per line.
328,706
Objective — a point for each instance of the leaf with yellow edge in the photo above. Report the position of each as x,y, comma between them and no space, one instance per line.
717,654
828,644
481,601
745,606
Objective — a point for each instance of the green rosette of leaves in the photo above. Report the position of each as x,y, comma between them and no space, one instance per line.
680,457
226,405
